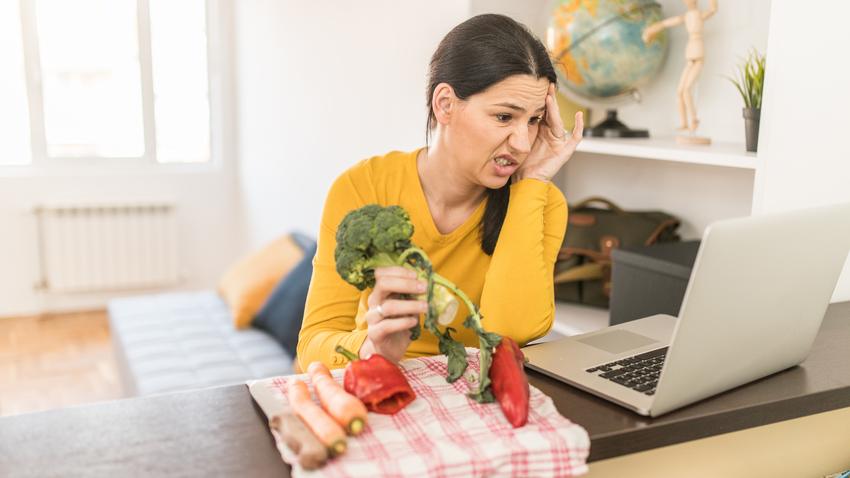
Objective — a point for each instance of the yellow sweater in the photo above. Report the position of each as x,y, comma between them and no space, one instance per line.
513,287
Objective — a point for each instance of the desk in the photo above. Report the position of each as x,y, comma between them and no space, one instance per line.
220,432
821,383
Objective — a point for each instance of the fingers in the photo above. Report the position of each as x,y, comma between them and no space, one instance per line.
578,129
553,114
385,328
396,308
393,309
394,271
394,280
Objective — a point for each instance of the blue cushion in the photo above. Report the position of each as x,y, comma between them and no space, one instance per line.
303,240
283,311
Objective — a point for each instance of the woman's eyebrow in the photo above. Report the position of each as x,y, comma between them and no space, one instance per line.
518,108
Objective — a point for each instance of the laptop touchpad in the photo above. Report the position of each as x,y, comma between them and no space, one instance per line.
617,341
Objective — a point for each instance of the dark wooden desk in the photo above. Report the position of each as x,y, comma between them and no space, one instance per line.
220,432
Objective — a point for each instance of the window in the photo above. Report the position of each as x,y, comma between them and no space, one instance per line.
14,114
117,80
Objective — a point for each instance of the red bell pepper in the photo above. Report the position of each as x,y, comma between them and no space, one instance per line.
510,385
377,382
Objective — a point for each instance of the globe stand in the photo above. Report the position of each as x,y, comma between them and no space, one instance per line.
611,127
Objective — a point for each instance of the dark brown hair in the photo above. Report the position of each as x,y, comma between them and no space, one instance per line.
473,56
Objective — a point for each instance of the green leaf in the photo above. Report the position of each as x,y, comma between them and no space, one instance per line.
487,341
453,350
415,332
455,353
471,323
483,393
431,316
482,397
492,339
750,80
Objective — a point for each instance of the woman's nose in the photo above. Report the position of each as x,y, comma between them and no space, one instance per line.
519,140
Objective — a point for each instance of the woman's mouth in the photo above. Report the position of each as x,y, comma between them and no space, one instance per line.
505,165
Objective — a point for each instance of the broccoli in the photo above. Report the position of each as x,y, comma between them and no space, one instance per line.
375,236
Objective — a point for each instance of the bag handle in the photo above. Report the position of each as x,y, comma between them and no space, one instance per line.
653,238
599,199
593,270
569,251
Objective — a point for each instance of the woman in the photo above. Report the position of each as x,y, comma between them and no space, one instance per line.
479,197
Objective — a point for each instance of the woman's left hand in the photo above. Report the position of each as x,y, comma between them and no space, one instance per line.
553,146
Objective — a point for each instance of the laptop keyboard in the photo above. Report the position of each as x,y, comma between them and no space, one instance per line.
638,372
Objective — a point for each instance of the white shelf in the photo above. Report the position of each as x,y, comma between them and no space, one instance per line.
574,319
732,155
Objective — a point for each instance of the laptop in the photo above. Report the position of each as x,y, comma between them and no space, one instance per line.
757,294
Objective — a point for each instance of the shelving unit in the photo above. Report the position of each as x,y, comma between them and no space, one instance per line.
611,168
731,155
575,319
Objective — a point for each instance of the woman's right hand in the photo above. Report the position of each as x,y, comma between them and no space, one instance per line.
389,326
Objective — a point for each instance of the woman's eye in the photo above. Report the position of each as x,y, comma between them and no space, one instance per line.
504,118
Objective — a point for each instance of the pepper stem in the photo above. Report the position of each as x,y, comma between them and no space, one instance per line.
346,353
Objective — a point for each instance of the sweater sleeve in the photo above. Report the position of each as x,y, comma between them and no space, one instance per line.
518,299
332,303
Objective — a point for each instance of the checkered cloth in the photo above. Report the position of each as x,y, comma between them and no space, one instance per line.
444,433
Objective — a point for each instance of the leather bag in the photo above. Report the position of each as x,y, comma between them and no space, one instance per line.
583,267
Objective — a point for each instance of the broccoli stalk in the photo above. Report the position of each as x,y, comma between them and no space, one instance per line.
375,236
442,299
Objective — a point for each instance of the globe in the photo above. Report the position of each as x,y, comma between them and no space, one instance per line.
600,58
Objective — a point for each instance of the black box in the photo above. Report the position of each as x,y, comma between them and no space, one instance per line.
650,280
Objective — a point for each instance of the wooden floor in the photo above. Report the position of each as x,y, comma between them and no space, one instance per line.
56,361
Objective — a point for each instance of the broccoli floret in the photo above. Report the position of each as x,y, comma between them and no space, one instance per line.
375,236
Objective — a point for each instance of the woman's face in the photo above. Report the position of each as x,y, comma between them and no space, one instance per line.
491,133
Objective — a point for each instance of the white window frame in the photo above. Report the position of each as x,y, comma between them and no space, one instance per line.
219,41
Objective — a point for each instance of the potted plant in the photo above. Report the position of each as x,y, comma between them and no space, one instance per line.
750,82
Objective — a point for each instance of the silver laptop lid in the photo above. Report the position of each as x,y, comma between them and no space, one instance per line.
758,292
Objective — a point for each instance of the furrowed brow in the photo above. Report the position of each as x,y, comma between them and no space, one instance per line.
519,108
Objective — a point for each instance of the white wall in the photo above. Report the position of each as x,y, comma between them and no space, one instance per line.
805,158
207,203
280,156
698,195
322,85
729,34
804,131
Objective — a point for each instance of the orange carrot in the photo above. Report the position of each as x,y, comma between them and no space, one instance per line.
323,426
344,407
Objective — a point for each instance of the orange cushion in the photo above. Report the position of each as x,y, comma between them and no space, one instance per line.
248,283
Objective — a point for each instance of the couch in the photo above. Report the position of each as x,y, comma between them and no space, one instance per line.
179,341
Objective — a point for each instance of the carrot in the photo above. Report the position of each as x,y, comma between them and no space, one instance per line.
344,407
323,426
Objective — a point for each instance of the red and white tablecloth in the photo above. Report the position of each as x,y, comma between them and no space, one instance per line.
443,433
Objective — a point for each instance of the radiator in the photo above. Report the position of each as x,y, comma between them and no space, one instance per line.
107,247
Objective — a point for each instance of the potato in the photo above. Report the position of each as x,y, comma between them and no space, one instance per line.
311,453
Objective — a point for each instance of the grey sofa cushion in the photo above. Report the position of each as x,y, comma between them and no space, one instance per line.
179,341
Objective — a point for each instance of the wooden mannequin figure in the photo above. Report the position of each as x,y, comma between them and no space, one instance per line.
694,56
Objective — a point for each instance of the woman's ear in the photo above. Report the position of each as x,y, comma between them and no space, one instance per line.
443,103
